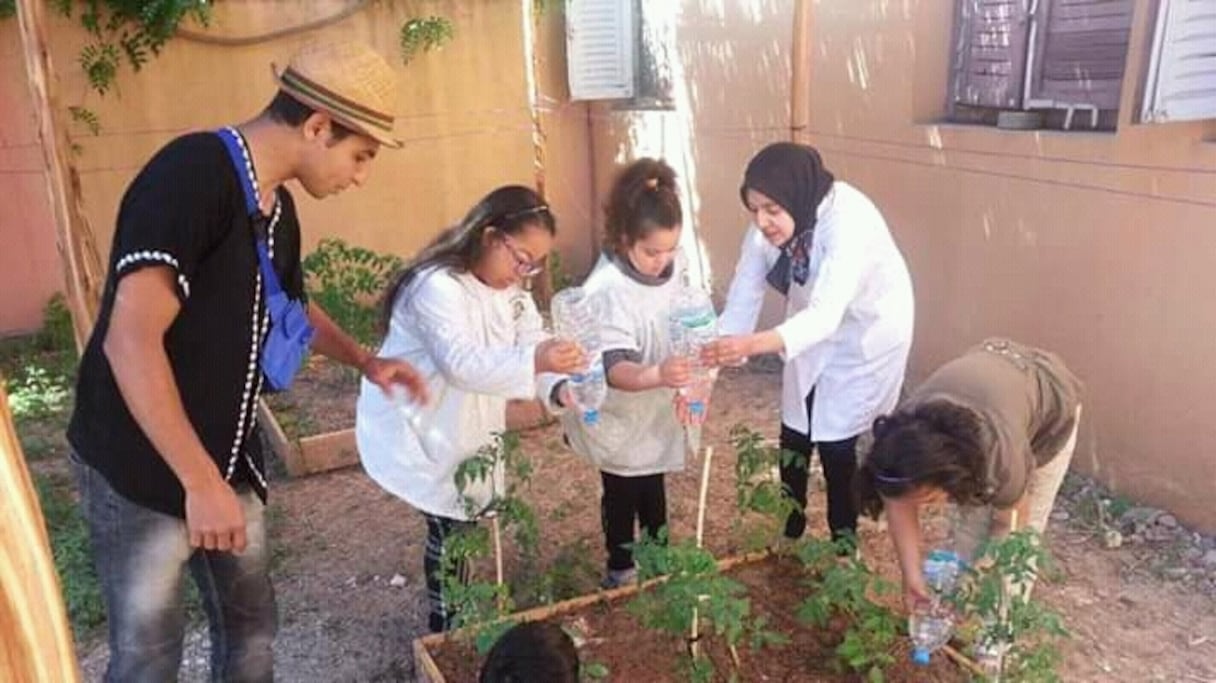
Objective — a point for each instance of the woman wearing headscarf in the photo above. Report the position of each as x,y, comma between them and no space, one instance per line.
847,327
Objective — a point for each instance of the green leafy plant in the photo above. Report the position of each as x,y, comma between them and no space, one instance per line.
423,34
594,671
86,117
38,393
757,488
121,32
481,606
841,586
347,281
692,584
997,611
572,573
57,334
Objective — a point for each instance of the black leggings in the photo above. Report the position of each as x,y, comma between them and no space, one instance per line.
627,499
839,460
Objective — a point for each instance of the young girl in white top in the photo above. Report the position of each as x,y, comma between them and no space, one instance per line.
847,331
460,315
638,438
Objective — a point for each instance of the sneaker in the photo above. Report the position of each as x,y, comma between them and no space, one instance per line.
615,578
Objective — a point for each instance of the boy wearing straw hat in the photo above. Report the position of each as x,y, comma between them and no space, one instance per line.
195,323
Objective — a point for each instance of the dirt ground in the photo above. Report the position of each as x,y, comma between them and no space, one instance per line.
340,541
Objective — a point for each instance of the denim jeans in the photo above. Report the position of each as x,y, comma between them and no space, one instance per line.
142,556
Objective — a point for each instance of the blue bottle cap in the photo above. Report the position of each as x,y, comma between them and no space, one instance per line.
920,656
591,417
696,407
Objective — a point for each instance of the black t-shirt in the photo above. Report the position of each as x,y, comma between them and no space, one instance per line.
186,210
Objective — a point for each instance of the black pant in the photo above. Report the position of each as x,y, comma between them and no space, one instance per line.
626,499
839,460
438,531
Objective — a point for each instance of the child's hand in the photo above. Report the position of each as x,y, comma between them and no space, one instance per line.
675,372
684,414
915,592
560,356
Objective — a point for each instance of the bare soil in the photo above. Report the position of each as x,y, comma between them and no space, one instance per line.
775,587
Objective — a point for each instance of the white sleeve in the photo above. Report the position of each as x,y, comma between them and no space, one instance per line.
437,304
845,261
746,294
530,331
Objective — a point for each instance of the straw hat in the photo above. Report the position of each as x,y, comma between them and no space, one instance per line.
347,80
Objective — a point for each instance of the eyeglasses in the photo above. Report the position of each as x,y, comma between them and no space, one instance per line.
524,265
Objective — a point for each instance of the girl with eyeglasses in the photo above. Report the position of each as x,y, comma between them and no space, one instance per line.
639,437
460,314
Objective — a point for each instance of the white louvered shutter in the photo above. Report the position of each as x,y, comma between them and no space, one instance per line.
600,55
1181,83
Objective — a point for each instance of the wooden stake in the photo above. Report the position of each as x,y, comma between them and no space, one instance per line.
496,530
800,114
82,270
709,456
35,642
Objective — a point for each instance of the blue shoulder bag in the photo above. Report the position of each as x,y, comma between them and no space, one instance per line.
291,333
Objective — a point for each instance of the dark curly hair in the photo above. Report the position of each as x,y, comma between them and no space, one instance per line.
643,199
937,443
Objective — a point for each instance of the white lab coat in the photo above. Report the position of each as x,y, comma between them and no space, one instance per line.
847,330
475,346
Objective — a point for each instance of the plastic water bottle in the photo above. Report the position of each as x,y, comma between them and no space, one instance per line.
692,324
577,317
433,441
931,625
589,389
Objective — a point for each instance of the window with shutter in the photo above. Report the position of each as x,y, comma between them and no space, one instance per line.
600,37
1079,53
990,54
1181,82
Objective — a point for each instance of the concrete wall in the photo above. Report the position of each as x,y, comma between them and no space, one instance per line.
1095,245
29,263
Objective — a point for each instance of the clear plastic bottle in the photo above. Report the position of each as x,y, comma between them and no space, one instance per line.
577,317
692,324
589,389
931,625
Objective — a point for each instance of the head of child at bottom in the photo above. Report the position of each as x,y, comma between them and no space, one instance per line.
532,652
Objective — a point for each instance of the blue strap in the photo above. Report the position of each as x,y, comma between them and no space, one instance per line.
236,153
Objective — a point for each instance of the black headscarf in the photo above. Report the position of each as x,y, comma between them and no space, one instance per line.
793,176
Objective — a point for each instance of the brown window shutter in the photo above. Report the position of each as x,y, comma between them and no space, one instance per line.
1080,53
989,66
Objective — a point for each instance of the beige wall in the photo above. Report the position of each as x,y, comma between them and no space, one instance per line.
464,116
1095,245
566,144
29,263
